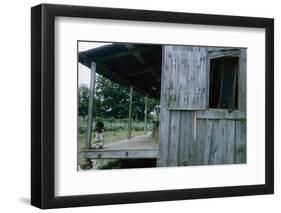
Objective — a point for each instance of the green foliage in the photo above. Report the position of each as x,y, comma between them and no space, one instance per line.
111,101
83,94
115,125
113,98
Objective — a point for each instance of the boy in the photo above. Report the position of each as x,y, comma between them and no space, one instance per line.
98,141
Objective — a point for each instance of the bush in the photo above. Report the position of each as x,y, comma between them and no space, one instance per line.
111,124
82,130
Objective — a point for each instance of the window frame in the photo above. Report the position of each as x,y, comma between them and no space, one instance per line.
215,54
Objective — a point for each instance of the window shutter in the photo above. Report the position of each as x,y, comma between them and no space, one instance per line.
184,77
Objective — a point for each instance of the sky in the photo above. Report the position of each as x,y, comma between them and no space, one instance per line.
83,71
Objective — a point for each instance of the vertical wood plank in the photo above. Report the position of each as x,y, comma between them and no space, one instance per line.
130,113
183,141
186,140
230,132
164,124
208,78
240,142
242,79
221,151
199,144
218,144
208,140
214,141
90,106
174,137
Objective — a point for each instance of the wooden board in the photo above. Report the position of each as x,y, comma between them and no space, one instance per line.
162,159
224,53
240,142
200,142
90,118
230,149
136,147
120,154
174,138
242,79
208,142
186,141
221,114
184,81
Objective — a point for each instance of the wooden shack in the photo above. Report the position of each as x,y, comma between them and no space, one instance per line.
202,92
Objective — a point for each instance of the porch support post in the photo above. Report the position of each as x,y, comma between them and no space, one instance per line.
130,112
90,106
86,163
145,116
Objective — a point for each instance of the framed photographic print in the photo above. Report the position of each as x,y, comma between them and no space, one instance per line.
139,106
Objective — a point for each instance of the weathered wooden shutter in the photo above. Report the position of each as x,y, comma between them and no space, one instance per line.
184,77
183,90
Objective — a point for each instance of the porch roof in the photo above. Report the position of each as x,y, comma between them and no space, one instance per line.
138,65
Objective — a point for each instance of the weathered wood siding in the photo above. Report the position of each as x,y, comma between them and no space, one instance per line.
190,133
242,79
183,86
185,77
204,138
224,141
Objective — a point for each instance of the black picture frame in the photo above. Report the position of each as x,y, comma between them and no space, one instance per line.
43,105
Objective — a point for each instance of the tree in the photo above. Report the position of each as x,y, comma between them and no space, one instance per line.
112,101
83,95
113,98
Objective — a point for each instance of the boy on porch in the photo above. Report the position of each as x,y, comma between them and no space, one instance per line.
98,141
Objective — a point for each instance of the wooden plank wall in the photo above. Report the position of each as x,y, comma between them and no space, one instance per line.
215,140
224,141
190,133
183,86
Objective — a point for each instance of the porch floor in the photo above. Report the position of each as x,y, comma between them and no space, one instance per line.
137,147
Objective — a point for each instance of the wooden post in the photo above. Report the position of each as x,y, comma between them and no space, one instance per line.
145,116
130,112
242,79
90,105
